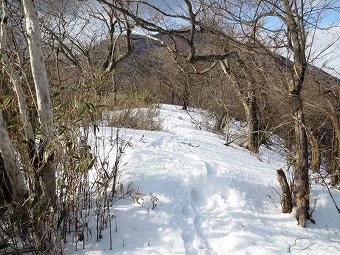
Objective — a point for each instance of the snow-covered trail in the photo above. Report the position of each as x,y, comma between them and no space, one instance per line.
212,199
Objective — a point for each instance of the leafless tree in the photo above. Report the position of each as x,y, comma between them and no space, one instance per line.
44,104
188,36
295,21
91,37
267,26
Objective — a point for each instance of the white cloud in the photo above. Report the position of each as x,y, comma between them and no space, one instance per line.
325,50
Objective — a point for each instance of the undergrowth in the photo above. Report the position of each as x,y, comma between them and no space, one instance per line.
143,119
88,175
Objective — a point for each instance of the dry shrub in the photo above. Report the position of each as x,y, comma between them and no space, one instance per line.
138,118
37,227
134,100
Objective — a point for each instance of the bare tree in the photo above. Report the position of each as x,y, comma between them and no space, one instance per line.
189,36
245,85
93,38
243,24
44,104
329,106
334,114
297,38
295,21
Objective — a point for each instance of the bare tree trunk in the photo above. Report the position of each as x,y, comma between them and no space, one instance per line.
315,161
114,89
43,96
11,164
250,106
301,177
185,97
336,150
296,35
248,98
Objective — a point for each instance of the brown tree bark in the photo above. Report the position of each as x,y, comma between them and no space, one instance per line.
293,19
336,149
251,109
286,200
245,87
315,161
301,177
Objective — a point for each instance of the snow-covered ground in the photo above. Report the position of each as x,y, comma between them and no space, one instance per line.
212,198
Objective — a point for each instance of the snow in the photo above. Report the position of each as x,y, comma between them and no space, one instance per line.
209,198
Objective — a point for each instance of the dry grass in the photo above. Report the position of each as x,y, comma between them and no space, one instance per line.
141,118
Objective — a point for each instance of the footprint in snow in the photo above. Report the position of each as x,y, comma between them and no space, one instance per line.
195,197
211,169
187,210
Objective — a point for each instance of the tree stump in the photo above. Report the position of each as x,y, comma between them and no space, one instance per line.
286,199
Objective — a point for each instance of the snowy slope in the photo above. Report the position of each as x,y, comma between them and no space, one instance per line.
212,199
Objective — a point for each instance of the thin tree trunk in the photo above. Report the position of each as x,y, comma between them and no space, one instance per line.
43,96
186,94
114,89
315,161
250,106
336,150
248,98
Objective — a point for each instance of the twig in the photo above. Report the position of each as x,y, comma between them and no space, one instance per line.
330,193
198,124
295,244
277,192
308,246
